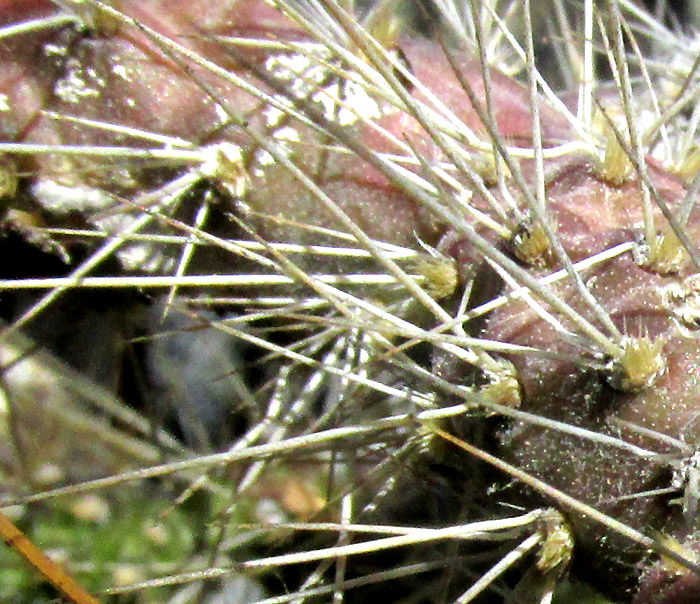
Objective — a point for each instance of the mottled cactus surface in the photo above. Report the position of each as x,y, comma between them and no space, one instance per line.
370,312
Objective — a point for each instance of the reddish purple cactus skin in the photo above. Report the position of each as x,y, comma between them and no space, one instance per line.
592,216
148,91
664,583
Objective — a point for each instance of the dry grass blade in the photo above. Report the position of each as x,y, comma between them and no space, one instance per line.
52,572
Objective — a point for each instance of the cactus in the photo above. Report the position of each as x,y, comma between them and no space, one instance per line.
411,316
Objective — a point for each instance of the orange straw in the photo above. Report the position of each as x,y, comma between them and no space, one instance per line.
51,571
